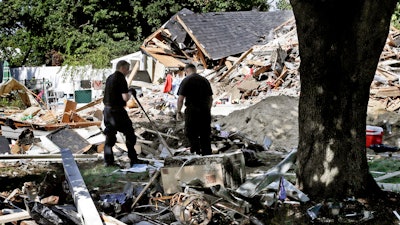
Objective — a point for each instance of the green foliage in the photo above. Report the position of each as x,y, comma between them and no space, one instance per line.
396,16
90,31
386,166
283,5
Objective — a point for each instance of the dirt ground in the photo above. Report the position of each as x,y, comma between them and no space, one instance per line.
274,117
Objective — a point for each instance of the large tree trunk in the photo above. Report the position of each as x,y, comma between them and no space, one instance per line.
339,43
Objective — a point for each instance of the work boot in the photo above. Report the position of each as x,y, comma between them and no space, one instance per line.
138,161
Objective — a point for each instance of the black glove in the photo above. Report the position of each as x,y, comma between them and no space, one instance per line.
132,91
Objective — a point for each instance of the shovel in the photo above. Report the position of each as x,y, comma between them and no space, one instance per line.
162,140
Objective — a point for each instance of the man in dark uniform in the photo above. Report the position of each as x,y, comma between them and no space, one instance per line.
116,118
197,93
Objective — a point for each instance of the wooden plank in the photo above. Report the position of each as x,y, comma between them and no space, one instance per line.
70,106
388,92
133,73
198,44
201,56
79,191
28,222
46,156
255,62
389,175
236,63
14,217
232,58
153,178
261,70
389,75
228,64
90,104
153,35
281,77
393,105
160,44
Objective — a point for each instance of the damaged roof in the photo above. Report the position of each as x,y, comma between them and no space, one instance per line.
223,34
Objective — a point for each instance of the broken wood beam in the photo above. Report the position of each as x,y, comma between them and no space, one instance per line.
90,104
261,70
194,38
202,58
235,64
133,73
281,77
153,178
392,91
79,191
14,217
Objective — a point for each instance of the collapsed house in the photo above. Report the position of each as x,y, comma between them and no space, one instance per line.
208,38
195,190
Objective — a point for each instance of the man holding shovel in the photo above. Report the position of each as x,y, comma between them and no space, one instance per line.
116,94
197,93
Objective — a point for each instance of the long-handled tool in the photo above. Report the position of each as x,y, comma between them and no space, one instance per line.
162,140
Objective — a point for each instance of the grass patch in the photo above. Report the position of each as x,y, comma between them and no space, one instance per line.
96,175
387,166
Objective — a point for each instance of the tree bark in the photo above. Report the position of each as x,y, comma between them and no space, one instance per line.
339,43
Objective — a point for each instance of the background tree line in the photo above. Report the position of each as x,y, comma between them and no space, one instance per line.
79,32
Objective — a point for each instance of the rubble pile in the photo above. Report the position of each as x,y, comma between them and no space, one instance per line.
185,188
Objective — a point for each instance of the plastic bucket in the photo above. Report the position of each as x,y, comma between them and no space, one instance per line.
373,135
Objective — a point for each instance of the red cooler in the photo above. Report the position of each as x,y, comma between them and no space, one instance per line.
374,135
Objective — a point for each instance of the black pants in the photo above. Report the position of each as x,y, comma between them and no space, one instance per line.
117,119
198,130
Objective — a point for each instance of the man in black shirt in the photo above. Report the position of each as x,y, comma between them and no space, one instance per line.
197,93
116,94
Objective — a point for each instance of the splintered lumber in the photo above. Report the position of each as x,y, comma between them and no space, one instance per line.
14,217
28,222
160,44
391,91
255,62
235,64
228,64
133,73
201,57
153,178
281,77
79,191
90,104
261,70
69,108
194,38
